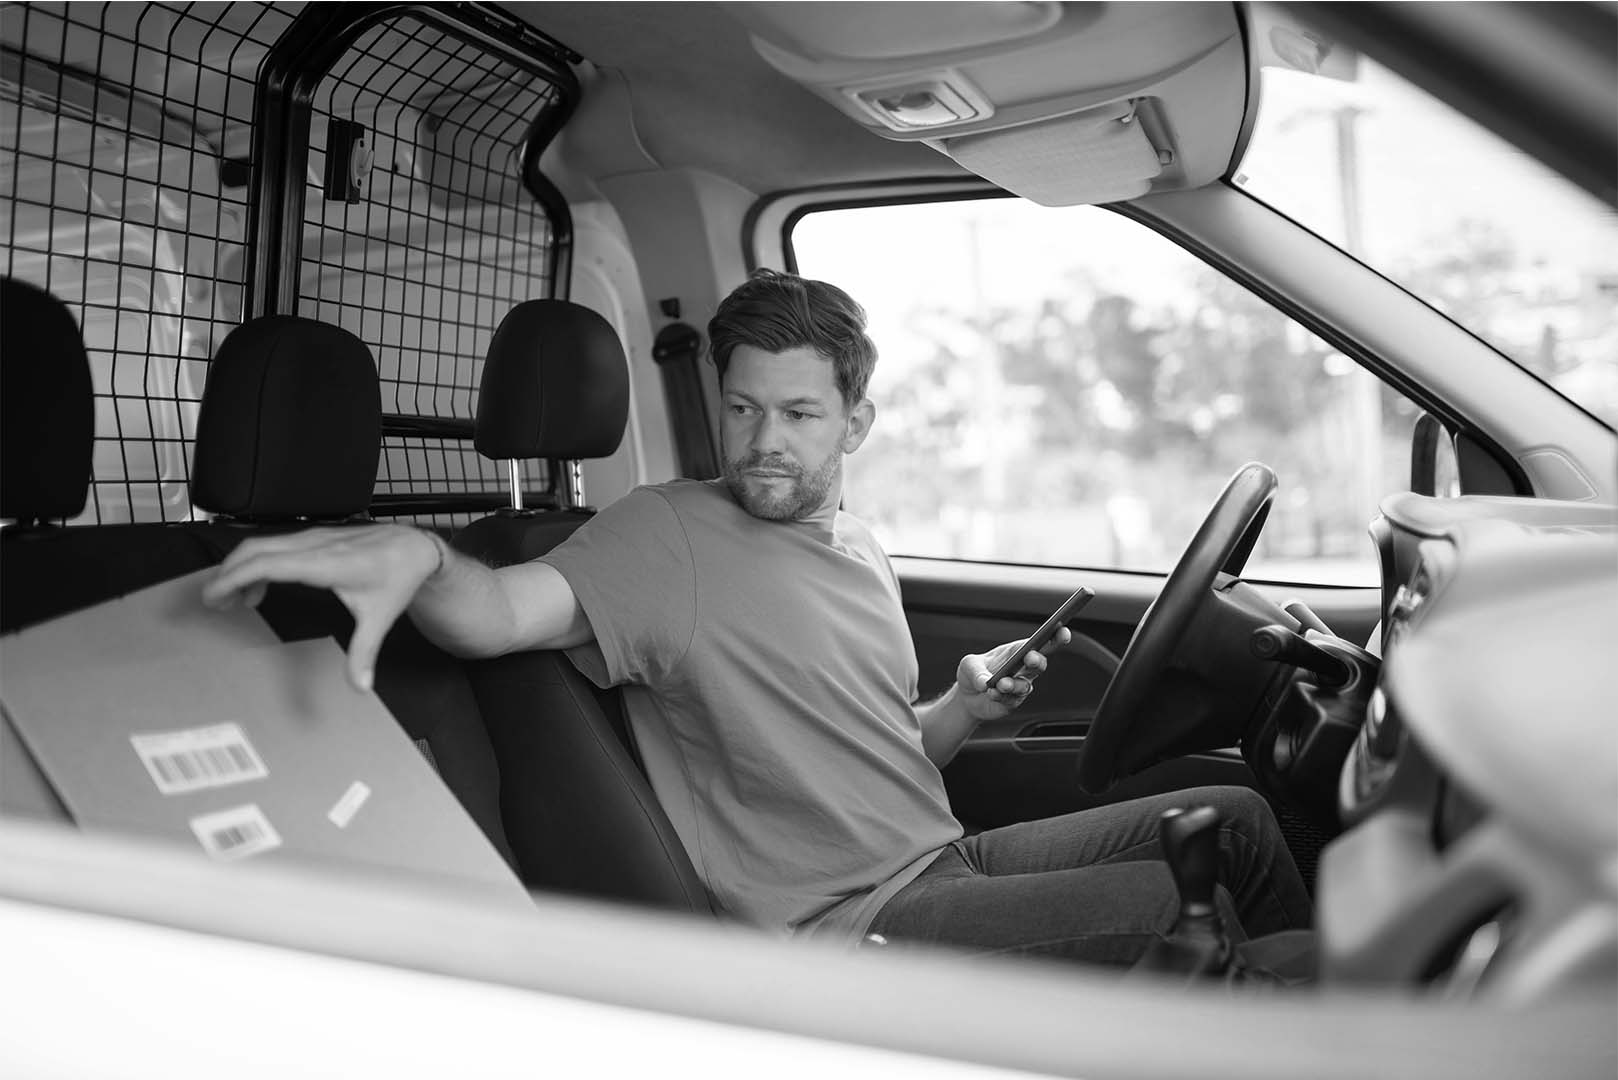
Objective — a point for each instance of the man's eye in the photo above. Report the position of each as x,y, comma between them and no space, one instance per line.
794,414
739,410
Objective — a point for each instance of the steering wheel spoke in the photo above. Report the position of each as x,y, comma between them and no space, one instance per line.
1188,681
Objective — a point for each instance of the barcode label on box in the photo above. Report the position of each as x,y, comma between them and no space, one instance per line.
349,805
236,833
198,758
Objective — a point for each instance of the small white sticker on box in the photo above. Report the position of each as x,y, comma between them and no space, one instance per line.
349,805
236,833
193,759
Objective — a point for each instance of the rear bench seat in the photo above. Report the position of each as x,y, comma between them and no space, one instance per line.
289,435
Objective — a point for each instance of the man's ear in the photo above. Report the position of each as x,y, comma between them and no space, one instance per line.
860,419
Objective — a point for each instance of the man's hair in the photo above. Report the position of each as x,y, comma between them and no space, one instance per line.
776,312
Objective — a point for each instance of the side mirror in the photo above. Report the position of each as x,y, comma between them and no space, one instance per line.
1448,463
1434,469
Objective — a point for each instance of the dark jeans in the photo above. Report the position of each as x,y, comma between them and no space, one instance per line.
1092,886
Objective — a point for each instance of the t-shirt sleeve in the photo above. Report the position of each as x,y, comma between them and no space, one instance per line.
631,568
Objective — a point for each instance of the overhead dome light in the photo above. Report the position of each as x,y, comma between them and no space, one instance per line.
935,101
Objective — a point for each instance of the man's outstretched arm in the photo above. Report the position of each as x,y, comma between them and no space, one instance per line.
379,572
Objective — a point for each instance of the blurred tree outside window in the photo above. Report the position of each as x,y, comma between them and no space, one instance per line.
1065,387
1511,251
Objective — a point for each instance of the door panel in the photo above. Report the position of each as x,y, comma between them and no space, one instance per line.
1024,767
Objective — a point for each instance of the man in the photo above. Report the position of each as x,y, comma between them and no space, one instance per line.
771,677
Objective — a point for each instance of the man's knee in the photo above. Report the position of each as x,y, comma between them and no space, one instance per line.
1236,805
1243,813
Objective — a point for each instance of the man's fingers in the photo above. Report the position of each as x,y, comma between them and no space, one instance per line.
1014,686
235,581
369,629
974,672
1038,660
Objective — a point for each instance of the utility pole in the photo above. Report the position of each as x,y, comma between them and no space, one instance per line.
1367,389
987,514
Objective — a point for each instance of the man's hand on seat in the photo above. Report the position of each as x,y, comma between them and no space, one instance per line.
984,702
375,571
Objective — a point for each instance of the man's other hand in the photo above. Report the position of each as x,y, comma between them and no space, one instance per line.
375,570
985,702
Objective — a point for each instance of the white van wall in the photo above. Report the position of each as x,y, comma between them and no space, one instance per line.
605,280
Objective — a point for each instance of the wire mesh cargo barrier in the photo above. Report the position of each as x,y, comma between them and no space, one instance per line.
126,188
443,243
116,126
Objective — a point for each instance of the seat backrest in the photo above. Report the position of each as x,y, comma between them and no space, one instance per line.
47,441
290,425
555,386
289,435
47,407
578,810
47,424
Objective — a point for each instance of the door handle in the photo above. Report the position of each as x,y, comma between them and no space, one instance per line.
1048,736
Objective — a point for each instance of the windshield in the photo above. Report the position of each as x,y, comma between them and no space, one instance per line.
1508,249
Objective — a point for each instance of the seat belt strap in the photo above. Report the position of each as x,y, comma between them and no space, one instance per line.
678,352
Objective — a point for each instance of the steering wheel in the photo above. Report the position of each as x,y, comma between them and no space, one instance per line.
1146,692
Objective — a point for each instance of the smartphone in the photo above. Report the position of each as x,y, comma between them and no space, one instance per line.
1042,637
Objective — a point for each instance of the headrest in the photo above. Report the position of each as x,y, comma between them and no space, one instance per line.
47,407
290,425
555,385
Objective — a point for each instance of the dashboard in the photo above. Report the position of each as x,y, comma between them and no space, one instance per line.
1480,796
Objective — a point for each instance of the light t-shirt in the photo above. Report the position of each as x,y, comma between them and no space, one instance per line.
770,679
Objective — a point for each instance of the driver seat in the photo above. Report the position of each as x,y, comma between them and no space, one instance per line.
578,810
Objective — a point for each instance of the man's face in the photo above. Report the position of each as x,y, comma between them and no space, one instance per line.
785,431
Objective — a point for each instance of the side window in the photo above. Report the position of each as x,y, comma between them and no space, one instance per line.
1067,388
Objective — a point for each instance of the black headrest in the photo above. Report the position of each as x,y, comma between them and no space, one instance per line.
47,407
290,424
555,385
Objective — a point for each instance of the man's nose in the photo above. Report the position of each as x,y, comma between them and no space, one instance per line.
767,434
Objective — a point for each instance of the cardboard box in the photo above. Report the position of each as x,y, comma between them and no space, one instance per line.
156,715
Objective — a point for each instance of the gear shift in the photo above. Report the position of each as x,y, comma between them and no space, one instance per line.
1191,848
1196,944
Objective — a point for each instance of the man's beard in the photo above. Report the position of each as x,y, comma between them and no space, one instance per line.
794,497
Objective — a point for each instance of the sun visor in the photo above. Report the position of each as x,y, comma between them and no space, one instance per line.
1097,156
1061,104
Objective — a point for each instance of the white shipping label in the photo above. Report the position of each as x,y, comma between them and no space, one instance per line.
236,833
196,758
349,805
